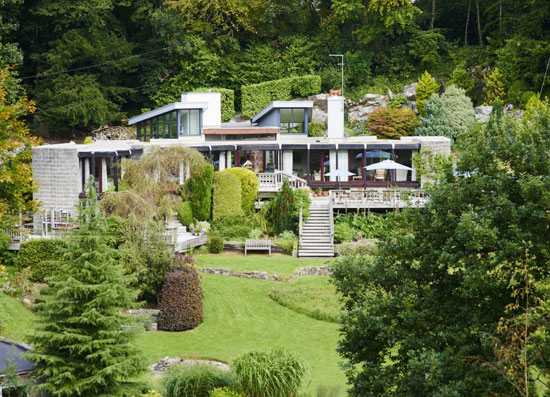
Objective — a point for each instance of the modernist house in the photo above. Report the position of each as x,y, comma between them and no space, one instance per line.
274,143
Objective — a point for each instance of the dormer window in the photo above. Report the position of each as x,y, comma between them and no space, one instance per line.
293,121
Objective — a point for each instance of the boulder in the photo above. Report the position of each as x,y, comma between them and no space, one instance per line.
483,113
410,91
319,115
370,102
319,101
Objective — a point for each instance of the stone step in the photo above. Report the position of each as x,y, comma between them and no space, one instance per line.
316,254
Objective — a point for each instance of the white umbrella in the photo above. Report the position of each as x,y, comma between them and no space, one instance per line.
387,165
339,173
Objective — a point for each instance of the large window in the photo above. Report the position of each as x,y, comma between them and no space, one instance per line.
355,158
319,165
299,163
190,122
292,121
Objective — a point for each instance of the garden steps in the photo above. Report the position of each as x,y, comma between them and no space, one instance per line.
316,240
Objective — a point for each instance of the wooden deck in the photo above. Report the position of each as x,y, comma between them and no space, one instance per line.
272,182
378,198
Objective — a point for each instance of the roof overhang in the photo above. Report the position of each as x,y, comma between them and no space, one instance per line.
167,109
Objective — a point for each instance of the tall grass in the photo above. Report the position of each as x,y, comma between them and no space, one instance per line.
196,380
277,373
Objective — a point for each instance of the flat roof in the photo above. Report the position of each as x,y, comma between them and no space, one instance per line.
97,146
166,109
12,353
282,105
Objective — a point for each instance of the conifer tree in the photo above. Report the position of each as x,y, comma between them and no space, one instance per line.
494,90
281,211
436,122
83,345
424,90
459,109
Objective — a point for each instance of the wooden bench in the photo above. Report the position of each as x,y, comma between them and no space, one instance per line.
263,245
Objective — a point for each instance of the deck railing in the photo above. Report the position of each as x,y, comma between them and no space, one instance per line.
272,182
378,198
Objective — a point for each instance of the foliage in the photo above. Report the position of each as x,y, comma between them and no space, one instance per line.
425,46
459,109
286,241
249,187
397,101
485,248
227,199
215,245
225,392
202,226
301,202
88,140
533,106
388,123
424,90
280,209
152,393
255,234
313,296
42,257
185,213
81,328
461,78
347,227
235,227
344,232
198,188
181,300
316,130
276,373
436,122
357,67
197,380
516,91
257,96
16,183
494,90
227,101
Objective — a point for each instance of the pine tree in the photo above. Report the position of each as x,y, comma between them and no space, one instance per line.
281,211
494,90
436,122
83,345
424,90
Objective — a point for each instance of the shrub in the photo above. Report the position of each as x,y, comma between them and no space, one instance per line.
316,130
494,90
459,110
436,122
286,241
249,187
181,300
227,195
236,227
516,91
397,101
199,190
39,255
277,373
185,213
183,259
225,392
255,234
152,393
344,232
88,140
280,209
461,78
257,96
215,245
197,380
392,123
424,90
301,201
227,99
526,97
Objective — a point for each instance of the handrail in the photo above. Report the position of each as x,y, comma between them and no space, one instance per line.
331,218
300,228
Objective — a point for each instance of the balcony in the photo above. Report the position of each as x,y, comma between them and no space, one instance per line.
378,198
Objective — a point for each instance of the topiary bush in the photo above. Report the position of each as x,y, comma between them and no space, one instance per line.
227,195
215,245
198,188
249,187
255,97
197,380
181,300
388,123
40,255
277,373
185,213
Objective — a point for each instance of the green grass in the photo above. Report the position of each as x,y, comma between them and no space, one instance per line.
281,265
313,296
240,317
16,321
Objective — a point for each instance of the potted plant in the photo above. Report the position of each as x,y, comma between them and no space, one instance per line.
203,227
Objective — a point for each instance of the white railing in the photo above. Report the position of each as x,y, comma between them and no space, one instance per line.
331,219
378,198
274,181
300,227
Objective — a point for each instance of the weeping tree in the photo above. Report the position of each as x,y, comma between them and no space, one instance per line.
83,344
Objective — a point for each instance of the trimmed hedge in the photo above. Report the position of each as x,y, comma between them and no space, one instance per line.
41,256
185,213
228,100
215,245
199,190
181,300
249,187
255,97
227,195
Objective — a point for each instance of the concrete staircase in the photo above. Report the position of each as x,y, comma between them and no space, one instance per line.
316,232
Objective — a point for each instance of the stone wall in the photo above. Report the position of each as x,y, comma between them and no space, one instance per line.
56,171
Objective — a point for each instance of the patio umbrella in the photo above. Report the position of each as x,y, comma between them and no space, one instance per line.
387,165
374,154
338,173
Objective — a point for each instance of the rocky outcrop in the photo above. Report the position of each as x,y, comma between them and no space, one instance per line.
300,272
483,113
369,103
409,91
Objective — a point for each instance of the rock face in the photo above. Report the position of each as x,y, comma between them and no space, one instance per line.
369,103
410,91
483,113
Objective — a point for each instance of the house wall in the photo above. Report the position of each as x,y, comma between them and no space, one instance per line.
56,170
270,120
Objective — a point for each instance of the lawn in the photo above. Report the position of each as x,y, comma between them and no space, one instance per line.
282,265
16,321
239,317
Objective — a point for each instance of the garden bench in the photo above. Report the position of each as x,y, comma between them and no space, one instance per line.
264,245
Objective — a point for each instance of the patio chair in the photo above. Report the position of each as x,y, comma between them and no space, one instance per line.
380,175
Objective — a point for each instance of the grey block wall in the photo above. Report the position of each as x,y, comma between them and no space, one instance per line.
57,173
439,146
